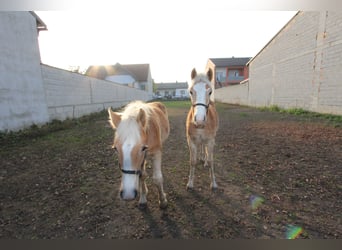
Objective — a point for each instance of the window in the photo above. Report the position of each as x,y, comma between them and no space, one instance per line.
220,75
234,73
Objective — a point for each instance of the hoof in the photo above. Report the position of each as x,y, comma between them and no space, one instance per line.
142,206
163,205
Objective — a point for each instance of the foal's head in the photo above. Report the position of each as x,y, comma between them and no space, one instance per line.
130,145
200,91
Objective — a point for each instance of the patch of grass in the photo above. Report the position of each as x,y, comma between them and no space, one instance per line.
275,108
243,114
35,131
177,104
336,119
297,111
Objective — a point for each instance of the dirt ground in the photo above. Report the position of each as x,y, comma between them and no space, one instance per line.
279,176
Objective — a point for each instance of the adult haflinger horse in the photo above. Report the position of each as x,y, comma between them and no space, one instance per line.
140,131
201,125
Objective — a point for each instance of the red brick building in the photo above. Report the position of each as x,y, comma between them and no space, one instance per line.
228,71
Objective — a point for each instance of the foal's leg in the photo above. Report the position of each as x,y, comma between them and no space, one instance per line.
202,154
193,162
158,178
143,189
205,155
210,160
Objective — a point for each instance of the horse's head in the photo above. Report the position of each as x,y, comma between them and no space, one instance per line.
200,91
130,145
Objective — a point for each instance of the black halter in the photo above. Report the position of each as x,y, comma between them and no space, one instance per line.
201,104
137,172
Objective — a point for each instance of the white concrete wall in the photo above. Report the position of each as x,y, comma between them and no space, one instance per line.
71,95
299,68
31,93
234,94
22,99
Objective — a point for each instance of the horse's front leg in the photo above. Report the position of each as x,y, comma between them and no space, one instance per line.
193,162
210,162
143,189
158,178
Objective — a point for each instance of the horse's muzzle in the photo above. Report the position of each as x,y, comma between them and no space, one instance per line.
199,123
128,195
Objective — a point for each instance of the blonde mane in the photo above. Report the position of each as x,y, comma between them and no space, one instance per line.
129,127
133,108
199,78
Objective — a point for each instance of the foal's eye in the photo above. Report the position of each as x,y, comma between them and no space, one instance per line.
210,92
144,148
115,149
190,92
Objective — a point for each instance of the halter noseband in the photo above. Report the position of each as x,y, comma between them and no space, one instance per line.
201,104
137,172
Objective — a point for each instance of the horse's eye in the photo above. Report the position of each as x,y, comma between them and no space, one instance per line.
190,92
210,92
144,148
115,149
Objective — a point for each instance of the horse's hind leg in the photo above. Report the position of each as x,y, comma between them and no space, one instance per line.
158,179
210,162
202,157
193,162
205,155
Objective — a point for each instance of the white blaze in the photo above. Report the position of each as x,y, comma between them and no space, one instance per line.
200,111
129,181
130,135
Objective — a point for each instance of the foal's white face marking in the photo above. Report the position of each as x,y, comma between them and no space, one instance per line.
200,94
131,156
129,182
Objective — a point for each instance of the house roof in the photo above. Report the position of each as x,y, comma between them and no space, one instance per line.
232,61
172,85
139,72
40,24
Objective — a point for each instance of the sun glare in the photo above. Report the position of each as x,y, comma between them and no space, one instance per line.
171,42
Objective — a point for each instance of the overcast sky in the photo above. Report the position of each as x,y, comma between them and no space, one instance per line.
173,39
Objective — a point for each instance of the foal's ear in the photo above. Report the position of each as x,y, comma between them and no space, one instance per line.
193,73
141,118
210,74
114,118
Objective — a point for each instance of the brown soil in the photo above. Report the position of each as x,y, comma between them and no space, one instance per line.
64,184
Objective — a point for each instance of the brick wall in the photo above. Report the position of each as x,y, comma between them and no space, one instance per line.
300,67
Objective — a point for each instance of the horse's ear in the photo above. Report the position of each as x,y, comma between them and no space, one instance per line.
193,73
141,118
114,118
210,74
